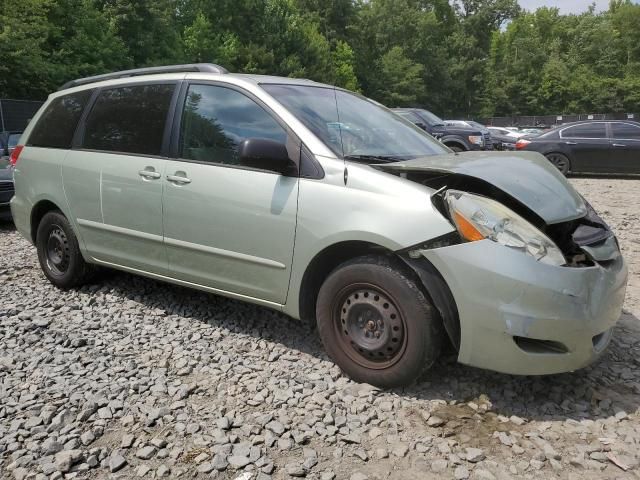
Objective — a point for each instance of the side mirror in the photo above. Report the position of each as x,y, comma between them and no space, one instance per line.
266,154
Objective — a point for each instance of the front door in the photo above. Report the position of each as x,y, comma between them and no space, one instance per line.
122,148
625,144
228,227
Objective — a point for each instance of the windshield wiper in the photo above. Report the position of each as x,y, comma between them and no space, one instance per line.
372,158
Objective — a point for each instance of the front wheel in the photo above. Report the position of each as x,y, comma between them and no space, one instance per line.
456,148
560,161
376,323
59,253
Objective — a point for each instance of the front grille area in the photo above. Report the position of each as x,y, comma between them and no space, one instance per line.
6,192
488,143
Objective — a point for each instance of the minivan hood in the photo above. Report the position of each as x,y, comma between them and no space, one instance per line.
528,177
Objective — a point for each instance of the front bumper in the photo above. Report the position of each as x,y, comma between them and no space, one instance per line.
511,308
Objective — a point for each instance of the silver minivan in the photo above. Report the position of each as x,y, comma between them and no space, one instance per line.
325,205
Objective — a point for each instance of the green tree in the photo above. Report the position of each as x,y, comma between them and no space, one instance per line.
401,84
24,28
343,59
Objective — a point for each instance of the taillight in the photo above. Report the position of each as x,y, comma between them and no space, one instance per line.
522,143
15,154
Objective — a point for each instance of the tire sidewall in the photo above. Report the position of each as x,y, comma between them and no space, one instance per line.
423,332
75,269
565,171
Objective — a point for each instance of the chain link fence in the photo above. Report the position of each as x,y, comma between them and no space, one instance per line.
15,114
552,120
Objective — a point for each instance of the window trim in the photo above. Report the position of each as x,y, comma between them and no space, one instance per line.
78,138
177,125
606,132
613,137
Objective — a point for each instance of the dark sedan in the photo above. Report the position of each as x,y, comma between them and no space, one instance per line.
590,147
6,189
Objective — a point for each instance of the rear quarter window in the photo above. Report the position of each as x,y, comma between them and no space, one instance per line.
57,124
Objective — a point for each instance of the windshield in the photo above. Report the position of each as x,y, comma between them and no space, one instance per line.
13,139
431,118
353,127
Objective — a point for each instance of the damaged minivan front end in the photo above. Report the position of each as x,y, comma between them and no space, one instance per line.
532,281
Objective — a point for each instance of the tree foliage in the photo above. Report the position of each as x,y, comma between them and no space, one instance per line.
458,57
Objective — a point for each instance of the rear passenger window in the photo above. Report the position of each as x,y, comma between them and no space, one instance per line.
626,131
217,119
586,130
57,125
129,119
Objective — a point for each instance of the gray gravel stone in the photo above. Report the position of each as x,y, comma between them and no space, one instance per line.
137,364
116,462
145,453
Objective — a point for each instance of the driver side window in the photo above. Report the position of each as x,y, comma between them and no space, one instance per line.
215,121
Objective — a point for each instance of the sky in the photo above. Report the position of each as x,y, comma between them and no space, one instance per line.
566,6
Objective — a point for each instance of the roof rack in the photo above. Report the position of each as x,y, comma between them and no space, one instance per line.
190,67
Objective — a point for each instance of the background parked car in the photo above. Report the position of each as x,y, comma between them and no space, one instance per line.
532,131
6,189
506,132
8,141
590,147
457,138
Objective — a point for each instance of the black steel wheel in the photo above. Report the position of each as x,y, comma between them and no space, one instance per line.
560,161
369,325
376,323
59,253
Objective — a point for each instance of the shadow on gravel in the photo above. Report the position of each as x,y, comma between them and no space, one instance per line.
600,391
609,386
7,226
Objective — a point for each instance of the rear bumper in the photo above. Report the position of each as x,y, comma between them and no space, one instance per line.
21,218
520,316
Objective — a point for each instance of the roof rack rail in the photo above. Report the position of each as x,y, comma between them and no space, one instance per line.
190,67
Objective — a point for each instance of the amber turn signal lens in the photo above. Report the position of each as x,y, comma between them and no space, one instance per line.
468,231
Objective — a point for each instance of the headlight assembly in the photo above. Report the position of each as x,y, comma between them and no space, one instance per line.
479,218
476,139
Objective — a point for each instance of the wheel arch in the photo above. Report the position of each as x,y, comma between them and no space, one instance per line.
39,210
454,141
426,276
322,265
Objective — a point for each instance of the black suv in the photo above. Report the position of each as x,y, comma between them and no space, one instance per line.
458,139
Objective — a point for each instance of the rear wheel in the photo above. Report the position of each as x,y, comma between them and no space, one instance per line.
560,161
58,252
376,323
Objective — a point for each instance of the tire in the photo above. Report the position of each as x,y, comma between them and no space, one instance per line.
560,161
376,323
456,148
59,254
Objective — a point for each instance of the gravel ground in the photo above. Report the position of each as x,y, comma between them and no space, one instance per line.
133,378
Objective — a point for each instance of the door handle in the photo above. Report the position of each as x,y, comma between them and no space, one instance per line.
618,145
178,179
571,143
149,174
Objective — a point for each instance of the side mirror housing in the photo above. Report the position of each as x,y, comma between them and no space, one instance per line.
266,154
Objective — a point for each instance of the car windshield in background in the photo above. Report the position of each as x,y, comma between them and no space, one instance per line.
354,127
14,138
432,118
